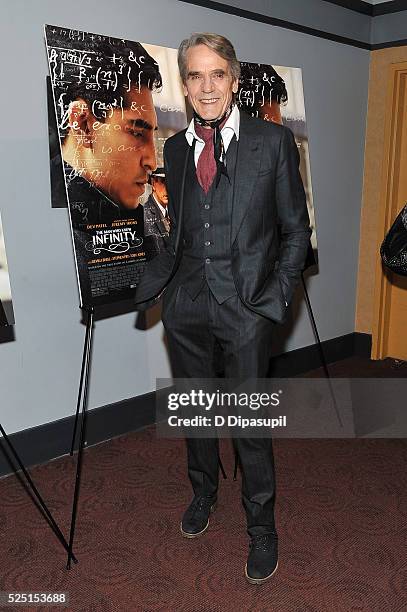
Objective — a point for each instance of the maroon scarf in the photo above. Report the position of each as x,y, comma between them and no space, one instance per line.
209,162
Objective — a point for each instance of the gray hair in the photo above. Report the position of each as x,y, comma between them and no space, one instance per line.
221,45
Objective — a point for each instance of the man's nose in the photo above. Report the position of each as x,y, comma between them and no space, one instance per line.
149,158
207,84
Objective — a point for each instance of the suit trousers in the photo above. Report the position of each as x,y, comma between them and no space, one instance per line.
197,330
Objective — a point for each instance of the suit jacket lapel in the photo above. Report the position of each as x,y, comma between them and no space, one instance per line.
160,219
157,208
250,145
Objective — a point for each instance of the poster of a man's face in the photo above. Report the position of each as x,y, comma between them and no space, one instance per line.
116,154
6,305
106,120
275,93
159,190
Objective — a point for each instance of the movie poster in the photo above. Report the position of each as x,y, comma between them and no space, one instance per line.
275,93
6,305
116,101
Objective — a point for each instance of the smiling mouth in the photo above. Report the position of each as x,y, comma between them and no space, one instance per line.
209,101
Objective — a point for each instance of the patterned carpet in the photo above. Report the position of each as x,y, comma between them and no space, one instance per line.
341,516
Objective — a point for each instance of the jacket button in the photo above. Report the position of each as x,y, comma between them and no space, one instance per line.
206,225
207,243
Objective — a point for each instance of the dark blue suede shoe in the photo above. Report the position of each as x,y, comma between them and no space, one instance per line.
196,518
263,558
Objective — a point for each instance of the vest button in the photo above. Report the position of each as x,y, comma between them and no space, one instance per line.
206,207
207,243
206,225
208,260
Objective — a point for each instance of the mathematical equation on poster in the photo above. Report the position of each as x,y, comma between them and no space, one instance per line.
113,69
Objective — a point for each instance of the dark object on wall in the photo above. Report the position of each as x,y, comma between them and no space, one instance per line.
3,318
394,247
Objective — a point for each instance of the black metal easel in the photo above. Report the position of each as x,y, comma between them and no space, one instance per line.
83,394
18,460
84,363
35,491
320,349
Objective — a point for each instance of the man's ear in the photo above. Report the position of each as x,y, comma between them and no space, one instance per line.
185,90
235,85
81,121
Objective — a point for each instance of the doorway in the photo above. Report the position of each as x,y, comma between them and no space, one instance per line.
389,330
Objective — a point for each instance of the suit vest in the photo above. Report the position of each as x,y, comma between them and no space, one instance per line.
206,232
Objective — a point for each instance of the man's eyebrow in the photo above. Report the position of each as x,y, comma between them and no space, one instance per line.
141,123
197,72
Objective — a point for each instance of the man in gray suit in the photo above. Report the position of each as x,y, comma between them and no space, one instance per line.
238,242
156,219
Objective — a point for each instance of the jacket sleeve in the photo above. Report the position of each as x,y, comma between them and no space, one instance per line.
293,216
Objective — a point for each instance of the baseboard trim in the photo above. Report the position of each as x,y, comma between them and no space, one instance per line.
362,345
41,444
308,358
45,442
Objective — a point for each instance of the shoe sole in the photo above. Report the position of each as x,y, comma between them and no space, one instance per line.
259,580
190,536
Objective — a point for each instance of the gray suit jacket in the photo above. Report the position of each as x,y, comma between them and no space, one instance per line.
270,224
154,224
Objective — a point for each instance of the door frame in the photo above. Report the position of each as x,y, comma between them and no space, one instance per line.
387,206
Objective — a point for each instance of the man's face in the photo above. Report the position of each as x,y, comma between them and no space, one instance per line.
160,190
209,84
123,149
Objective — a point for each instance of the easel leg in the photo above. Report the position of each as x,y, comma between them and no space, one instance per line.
34,489
236,464
78,403
85,376
320,349
222,469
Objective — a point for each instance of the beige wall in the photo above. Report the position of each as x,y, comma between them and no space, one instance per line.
374,148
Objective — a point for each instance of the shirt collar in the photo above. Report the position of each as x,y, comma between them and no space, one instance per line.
160,206
232,123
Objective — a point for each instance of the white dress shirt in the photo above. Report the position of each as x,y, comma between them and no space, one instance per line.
163,209
230,128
